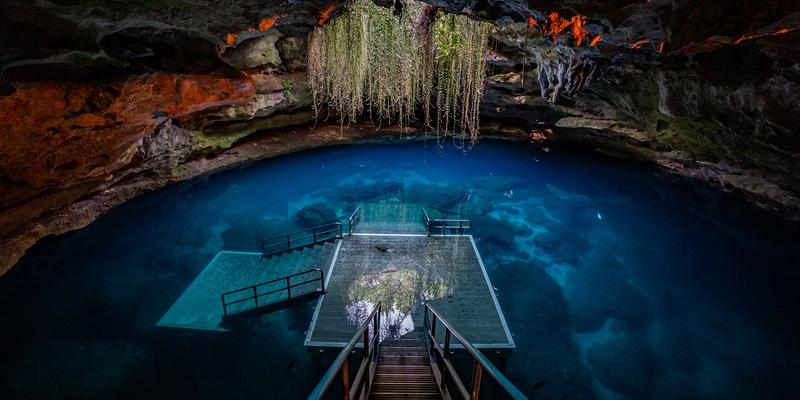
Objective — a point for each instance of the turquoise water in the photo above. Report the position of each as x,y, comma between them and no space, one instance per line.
617,280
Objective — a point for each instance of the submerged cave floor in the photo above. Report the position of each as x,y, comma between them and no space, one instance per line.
617,280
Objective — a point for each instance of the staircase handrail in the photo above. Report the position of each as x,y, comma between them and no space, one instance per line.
317,234
365,375
480,362
354,219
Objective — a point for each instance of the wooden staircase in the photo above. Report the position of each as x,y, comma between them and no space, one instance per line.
401,368
404,370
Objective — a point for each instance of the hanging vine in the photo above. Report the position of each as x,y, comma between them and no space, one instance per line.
399,67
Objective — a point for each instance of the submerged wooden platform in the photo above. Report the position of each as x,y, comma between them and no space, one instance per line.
401,271
200,306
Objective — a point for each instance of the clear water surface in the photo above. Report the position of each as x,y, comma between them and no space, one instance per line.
617,280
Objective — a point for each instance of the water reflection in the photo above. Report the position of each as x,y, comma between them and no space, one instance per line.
402,293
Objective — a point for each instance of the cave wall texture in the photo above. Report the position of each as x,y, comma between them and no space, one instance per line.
104,100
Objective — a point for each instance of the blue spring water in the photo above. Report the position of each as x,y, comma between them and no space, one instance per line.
617,280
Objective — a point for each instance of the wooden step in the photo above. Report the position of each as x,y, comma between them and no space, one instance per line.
409,396
413,360
404,370
405,352
410,387
401,377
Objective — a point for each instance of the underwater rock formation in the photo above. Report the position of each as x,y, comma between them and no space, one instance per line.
104,98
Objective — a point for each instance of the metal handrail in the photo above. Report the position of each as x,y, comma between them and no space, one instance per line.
442,210
363,379
480,362
255,294
444,224
354,219
317,235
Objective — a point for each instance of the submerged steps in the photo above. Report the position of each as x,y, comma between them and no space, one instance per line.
390,217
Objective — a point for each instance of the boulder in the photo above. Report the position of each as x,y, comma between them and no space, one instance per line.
254,49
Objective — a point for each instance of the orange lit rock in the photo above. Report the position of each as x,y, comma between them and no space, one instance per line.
557,26
230,39
760,35
267,23
58,134
326,14
579,32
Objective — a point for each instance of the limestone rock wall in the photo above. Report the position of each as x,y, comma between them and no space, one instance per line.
101,101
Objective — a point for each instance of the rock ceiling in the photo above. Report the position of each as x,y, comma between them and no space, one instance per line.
96,95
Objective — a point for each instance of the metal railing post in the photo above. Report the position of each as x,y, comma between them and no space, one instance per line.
367,359
224,306
346,379
477,376
288,288
255,296
314,232
445,356
288,242
375,325
447,343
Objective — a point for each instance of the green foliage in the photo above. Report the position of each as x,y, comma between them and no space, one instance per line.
460,70
395,67
288,86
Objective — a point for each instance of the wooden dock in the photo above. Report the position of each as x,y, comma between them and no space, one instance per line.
401,271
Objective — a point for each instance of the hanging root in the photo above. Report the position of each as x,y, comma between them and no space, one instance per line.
396,65
562,71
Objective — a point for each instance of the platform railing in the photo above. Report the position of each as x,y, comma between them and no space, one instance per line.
254,292
362,383
445,226
353,221
304,238
446,373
